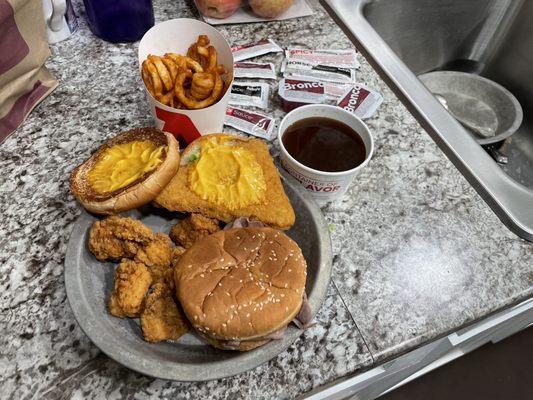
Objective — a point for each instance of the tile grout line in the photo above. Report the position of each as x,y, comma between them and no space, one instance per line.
353,320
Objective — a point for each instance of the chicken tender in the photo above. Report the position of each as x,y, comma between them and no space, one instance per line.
132,281
157,256
161,318
158,252
193,228
114,238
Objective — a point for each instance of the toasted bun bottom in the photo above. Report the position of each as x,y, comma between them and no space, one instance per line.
236,346
136,194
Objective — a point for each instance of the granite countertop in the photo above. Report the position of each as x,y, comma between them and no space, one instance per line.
417,252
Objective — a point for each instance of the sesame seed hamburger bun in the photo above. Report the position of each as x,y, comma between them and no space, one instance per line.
239,287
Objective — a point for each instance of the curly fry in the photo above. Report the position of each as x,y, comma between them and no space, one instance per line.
202,85
167,98
155,80
178,59
172,68
203,40
162,71
227,83
146,79
192,52
221,69
193,65
195,104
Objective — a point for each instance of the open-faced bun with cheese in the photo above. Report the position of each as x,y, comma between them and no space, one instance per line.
241,287
127,171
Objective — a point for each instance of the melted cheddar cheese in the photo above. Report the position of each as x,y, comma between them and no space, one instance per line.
227,175
123,164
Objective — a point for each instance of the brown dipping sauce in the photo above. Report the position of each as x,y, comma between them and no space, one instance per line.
324,144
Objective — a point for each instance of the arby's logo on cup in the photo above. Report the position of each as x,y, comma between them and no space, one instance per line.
316,186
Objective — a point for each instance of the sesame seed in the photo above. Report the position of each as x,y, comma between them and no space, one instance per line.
195,317
224,325
219,284
248,315
282,295
221,260
206,328
286,308
202,275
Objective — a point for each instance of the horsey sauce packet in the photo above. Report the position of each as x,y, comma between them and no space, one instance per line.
360,101
331,73
337,58
298,92
250,122
246,69
250,50
250,94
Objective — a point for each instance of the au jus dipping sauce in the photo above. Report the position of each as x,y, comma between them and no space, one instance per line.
324,144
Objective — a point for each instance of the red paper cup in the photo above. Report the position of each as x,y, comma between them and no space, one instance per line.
175,36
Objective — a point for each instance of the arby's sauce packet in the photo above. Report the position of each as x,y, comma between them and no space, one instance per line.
295,92
338,58
248,69
361,101
308,70
250,50
252,94
250,122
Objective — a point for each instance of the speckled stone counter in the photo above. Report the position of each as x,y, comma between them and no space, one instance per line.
417,252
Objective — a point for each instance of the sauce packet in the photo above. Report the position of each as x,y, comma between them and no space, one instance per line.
296,92
249,50
252,94
250,122
302,69
360,101
338,58
248,69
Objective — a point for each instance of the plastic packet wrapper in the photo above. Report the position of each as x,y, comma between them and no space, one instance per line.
250,50
338,58
248,69
251,94
250,122
295,92
361,101
302,69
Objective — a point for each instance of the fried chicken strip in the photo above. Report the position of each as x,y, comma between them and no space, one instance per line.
193,228
132,281
161,318
114,238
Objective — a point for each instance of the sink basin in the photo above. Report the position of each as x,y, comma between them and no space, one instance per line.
492,38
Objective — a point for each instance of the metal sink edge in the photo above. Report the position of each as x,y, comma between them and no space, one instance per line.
511,202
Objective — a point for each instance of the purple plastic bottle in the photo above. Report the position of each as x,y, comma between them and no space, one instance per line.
119,20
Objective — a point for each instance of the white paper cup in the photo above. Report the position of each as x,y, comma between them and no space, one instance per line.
175,36
323,186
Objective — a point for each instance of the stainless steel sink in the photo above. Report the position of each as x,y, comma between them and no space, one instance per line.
492,38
